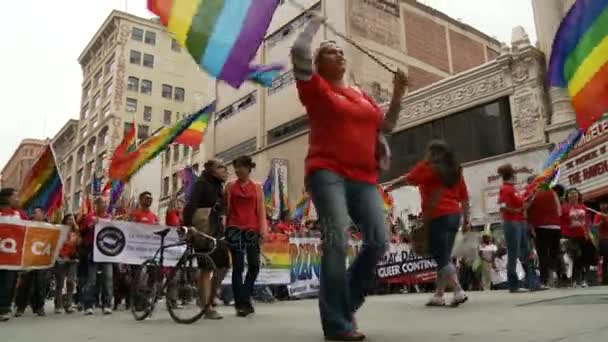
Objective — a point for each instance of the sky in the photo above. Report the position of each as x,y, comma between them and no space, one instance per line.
42,79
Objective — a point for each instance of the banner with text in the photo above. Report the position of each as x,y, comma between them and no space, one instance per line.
133,243
401,265
29,245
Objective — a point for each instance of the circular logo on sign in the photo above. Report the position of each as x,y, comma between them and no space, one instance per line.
111,241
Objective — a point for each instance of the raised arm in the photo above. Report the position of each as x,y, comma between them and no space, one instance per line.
392,115
301,51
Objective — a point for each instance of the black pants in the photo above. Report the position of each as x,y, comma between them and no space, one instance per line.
32,290
604,254
7,290
549,252
241,244
583,255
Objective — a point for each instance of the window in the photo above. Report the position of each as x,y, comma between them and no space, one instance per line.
102,161
167,92
150,38
128,126
166,186
68,184
147,113
105,111
473,134
288,129
137,34
107,89
93,123
76,200
103,137
186,151
143,131
175,46
96,101
97,79
146,87
109,66
175,153
148,60
174,181
135,57
133,83
80,177
85,112
180,94
284,80
245,147
237,106
167,156
131,105
83,132
86,91
167,117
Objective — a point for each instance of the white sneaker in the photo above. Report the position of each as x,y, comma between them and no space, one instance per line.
107,311
88,312
436,301
5,317
459,298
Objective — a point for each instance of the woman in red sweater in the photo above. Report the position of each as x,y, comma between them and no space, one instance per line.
445,200
346,149
575,227
246,227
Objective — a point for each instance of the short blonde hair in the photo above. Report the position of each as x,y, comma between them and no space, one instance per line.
324,45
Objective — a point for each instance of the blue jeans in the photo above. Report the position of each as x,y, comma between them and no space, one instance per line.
89,290
443,231
516,237
243,244
340,203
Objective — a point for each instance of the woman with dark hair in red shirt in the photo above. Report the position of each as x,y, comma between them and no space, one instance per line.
346,149
575,227
444,200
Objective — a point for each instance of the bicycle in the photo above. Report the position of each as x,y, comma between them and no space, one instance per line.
181,282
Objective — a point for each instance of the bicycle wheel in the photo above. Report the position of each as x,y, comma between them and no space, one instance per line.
183,300
145,284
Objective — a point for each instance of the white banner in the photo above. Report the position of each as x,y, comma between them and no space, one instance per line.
133,243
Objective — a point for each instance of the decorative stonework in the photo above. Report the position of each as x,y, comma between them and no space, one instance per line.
521,70
119,87
526,115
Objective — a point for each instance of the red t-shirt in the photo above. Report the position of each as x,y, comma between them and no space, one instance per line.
544,210
14,213
144,216
429,181
575,221
344,124
87,230
508,197
173,218
601,222
243,206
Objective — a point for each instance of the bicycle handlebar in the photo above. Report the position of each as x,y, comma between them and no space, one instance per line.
192,230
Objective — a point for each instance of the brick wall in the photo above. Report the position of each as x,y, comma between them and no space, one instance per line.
419,78
492,54
466,52
426,40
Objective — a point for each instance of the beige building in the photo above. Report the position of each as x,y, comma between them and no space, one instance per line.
63,143
20,163
270,124
133,73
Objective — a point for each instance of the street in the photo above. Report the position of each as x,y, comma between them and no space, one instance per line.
550,316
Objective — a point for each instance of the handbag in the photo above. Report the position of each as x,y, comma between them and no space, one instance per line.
421,235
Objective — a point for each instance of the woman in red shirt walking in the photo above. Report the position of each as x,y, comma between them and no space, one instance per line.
246,228
345,152
575,227
444,200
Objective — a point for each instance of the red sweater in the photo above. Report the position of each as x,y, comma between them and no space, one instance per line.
545,210
575,221
509,198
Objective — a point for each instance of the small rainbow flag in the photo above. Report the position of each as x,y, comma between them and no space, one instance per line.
125,165
223,36
42,187
579,59
302,207
193,135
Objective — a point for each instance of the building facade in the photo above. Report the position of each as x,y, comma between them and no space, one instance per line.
20,163
270,124
134,73
62,144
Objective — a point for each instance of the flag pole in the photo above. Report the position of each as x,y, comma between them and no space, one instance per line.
50,142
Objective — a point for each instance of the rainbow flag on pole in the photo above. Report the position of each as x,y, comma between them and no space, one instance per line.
193,135
579,59
42,187
223,36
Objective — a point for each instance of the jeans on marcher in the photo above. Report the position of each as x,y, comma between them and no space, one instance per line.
7,290
243,243
340,203
516,237
604,255
65,274
89,290
443,231
32,290
549,252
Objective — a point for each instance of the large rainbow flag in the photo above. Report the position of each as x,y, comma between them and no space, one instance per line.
223,36
193,135
579,59
42,187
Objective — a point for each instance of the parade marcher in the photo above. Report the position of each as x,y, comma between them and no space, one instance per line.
174,216
487,253
246,227
601,221
9,207
66,268
346,149
143,214
544,217
445,201
575,227
205,212
89,290
33,284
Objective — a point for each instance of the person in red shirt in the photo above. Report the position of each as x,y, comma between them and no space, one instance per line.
173,217
9,207
445,200
511,206
346,149
143,214
246,227
601,222
575,227
66,267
